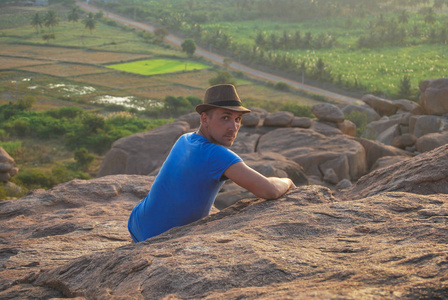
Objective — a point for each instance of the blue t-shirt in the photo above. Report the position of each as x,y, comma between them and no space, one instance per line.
185,188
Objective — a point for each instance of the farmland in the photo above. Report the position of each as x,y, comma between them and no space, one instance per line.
51,90
359,46
158,66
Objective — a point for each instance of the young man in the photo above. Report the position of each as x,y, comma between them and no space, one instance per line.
196,168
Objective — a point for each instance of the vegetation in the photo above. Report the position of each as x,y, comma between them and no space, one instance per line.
158,66
362,46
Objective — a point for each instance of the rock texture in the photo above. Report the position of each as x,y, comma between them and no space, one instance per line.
142,153
363,243
434,96
406,124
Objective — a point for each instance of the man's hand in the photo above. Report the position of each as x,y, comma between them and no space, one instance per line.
256,183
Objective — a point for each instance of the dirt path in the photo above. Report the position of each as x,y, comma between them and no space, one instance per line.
219,59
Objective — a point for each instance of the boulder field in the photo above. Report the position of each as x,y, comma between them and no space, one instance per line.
385,237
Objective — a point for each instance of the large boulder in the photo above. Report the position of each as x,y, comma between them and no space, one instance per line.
328,112
49,228
375,128
427,124
306,245
370,113
269,164
382,106
384,237
424,174
311,149
8,167
431,141
434,96
279,119
375,150
405,105
142,153
325,128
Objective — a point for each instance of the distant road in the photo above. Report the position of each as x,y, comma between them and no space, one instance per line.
219,59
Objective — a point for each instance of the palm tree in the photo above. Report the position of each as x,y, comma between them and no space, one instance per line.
36,21
404,17
51,19
73,16
90,22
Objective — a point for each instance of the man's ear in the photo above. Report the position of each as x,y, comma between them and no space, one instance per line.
204,118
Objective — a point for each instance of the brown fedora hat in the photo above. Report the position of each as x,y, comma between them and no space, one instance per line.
224,96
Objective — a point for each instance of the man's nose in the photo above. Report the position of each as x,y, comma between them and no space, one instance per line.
235,125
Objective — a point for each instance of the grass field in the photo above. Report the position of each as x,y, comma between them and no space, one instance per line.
378,70
159,66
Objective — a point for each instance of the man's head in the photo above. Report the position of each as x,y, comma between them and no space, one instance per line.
221,114
224,96
220,125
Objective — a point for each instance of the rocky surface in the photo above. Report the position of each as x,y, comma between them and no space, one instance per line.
434,96
313,243
324,147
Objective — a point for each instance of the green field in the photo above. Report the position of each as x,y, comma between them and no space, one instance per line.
158,66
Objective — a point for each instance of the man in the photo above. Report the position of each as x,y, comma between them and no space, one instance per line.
196,168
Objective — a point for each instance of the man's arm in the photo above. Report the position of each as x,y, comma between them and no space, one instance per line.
256,183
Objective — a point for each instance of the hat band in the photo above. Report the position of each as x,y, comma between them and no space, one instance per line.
226,103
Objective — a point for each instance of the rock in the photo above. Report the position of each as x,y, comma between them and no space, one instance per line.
405,105
375,150
427,124
306,245
434,96
279,119
269,164
424,174
49,228
142,153
387,136
325,128
193,119
8,167
330,176
340,167
328,112
301,122
252,119
431,141
403,141
347,127
370,113
375,128
387,161
245,142
343,184
382,106
311,149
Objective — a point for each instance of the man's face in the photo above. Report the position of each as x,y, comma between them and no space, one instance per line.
221,125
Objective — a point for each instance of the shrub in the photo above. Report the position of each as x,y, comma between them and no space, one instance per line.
26,103
282,86
297,110
35,178
21,128
223,77
83,158
11,147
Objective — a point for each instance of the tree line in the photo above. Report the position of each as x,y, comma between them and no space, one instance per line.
50,20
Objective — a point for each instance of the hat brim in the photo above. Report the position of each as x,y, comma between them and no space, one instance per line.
204,107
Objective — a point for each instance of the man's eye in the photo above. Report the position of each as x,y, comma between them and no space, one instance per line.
238,120
225,118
